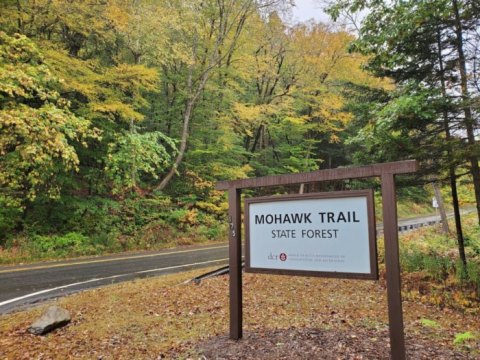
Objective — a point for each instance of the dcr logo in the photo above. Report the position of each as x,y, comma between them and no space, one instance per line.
281,257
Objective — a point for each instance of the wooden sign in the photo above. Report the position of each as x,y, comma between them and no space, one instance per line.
386,172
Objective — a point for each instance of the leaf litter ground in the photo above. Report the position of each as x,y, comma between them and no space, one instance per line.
284,318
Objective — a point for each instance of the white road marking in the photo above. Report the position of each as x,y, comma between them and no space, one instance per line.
105,278
110,259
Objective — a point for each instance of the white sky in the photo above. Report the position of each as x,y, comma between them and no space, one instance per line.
307,9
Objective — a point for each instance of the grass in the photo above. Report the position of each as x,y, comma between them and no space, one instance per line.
432,271
155,317
463,338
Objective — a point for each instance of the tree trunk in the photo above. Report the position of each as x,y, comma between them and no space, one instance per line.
469,119
457,216
21,29
183,146
186,123
257,138
133,170
451,166
441,207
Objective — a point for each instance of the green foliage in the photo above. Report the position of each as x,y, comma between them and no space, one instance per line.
134,157
68,245
462,338
79,27
405,127
422,46
60,245
124,91
38,131
473,274
9,218
429,323
433,254
437,266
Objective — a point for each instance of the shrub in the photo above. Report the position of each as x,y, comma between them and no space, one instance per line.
64,245
9,218
473,275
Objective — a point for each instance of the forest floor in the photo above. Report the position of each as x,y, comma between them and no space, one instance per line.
284,318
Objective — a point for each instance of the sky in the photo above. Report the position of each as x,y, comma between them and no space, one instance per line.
307,9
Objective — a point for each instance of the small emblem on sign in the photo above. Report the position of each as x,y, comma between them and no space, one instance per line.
283,256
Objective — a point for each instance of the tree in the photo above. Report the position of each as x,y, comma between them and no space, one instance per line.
38,130
466,17
423,51
82,28
210,34
290,114
327,69
135,156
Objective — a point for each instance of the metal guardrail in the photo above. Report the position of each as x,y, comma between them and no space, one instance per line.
409,227
220,271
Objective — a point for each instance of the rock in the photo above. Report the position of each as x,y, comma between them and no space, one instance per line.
52,319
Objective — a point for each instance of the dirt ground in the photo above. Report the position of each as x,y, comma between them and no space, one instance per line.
320,344
284,318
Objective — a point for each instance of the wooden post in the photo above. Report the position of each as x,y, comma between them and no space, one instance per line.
235,262
387,174
392,264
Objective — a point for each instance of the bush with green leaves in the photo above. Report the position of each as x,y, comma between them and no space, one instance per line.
435,254
71,243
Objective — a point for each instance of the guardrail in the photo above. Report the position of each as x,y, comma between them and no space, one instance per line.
409,227
412,226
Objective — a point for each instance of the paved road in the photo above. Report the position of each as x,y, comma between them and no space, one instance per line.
25,285
29,284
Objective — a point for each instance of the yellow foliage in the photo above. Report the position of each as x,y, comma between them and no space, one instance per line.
116,109
190,217
198,182
115,92
247,112
213,208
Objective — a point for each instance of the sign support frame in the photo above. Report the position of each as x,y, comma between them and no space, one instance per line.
235,263
386,172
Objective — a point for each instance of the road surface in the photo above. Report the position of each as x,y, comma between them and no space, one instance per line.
28,284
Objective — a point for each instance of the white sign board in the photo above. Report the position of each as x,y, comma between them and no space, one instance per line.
324,234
